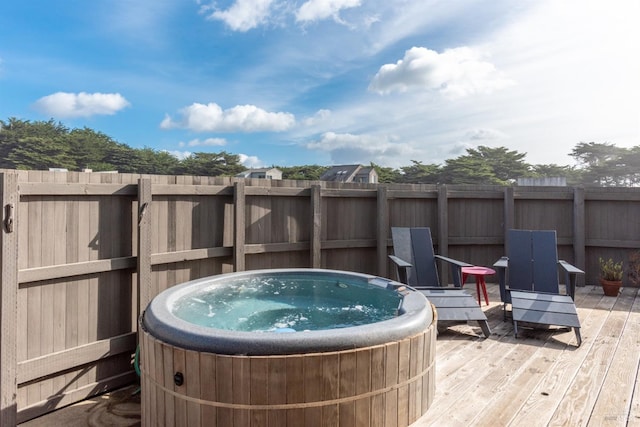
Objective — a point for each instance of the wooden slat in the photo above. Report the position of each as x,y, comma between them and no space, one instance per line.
330,387
191,190
313,391
349,244
208,388
52,363
277,393
190,255
363,385
180,404
76,189
611,243
378,381
347,387
261,248
405,194
76,269
352,193
536,195
391,371
277,191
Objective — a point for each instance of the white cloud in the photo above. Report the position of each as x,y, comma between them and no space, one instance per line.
70,105
455,73
484,134
315,10
320,116
251,162
243,15
211,142
363,149
241,118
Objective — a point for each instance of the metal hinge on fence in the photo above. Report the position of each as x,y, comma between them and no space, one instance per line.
8,217
143,210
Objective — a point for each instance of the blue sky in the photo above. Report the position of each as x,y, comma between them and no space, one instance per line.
285,82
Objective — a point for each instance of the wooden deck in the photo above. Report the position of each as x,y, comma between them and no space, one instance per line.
540,379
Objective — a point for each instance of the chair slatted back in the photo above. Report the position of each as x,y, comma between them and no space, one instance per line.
415,245
533,260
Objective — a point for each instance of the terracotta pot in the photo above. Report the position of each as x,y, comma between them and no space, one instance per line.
611,288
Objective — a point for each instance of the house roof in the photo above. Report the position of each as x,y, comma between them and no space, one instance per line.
342,173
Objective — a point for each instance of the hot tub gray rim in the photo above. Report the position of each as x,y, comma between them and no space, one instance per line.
415,315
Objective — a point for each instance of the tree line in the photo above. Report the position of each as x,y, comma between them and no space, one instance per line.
40,145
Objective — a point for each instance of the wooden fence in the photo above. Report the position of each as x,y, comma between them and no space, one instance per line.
83,253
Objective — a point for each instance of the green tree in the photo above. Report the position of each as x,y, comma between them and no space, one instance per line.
39,154
572,174
212,164
386,175
418,173
468,170
91,149
157,162
37,145
305,172
605,164
506,165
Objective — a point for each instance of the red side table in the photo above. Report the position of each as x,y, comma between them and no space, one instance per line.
479,273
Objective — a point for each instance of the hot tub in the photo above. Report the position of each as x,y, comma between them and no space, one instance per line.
287,347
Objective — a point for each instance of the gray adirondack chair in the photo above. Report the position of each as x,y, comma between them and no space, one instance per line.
529,281
416,266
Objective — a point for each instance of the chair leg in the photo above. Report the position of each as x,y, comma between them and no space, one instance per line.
515,328
578,336
485,328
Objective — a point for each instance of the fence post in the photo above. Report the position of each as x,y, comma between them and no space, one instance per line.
579,238
383,230
239,202
443,229
509,215
144,244
9,300
316,226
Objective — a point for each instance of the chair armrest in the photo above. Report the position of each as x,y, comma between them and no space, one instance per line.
402,268
400,262
501,269
570,277
502,262
454,261
456,269
569,268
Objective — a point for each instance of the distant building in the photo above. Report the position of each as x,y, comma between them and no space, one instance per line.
555,181
351,173
264,173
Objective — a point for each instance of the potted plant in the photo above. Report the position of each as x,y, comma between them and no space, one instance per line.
610,276
634,268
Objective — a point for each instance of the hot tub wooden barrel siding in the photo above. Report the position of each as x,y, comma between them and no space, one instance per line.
392,384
